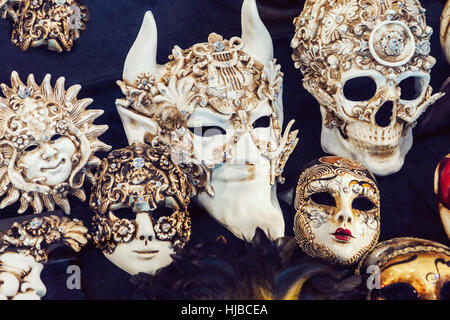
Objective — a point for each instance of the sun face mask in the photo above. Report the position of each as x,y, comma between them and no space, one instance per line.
409,268
218,106
24,251
368,65
47,144
338,210
54,23
442,190
140,203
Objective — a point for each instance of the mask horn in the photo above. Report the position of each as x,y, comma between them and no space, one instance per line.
256,37
142,55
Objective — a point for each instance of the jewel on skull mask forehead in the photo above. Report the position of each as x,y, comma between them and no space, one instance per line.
138,162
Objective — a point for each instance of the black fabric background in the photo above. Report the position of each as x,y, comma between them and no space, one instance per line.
96,62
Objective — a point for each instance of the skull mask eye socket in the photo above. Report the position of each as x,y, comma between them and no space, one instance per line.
398,291
323,198
123,213
411,88
359,89
262,122
162,211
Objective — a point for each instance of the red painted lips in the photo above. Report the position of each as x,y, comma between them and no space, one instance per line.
343,234
444,182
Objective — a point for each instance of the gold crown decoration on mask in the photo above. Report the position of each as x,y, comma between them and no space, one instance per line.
55,23
218,76
143,178
332,37
36,236
327,168
31,116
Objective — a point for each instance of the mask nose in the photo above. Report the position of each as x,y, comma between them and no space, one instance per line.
246,151
345,217
385,115
49,152
145,231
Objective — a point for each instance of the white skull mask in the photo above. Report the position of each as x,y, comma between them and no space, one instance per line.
368,65
218,106
140,203
338,210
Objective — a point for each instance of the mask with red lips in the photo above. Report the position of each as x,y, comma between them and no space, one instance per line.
337,210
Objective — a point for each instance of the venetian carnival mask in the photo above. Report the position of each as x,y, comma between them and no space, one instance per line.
218,106
338,210
442,190
54,23
408,268
23,253
368,65
445,30
47,144
140,203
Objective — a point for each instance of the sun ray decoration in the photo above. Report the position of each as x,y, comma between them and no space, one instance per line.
32,117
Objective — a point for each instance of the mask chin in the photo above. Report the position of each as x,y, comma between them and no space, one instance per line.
243,214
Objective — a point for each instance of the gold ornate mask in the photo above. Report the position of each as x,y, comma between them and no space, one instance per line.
24,251
55,23
368,64
47,144
338,210
442,190
140,202
218,105
409,268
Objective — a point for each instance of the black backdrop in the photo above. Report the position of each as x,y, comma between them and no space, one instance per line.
96,62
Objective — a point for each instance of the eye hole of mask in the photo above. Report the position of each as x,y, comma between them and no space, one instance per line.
124,213
162,211
207,131
56,137
445,291
360,89
362,204
399,291
411,88
262,122
31,147
323,198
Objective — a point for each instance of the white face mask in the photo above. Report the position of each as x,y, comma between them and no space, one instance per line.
140,203
218,106
368,65
47,144
338,211
20,277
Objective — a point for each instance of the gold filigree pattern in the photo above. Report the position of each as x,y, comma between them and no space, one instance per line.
55,23
143,178
34,237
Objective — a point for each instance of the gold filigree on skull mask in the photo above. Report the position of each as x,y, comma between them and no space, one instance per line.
385,42
338,210
47,144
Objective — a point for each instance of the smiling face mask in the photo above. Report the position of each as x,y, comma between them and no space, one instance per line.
409,268
140,202
368,65
338,210
24,252
218,106
47,144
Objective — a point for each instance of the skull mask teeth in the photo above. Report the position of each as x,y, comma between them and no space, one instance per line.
386,43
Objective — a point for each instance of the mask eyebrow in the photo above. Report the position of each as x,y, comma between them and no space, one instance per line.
206,117
412,258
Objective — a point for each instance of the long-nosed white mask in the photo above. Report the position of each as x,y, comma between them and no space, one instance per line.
368,65
218,106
